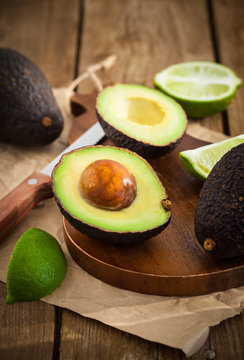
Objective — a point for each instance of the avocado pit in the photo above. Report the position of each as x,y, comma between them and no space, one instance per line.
107,184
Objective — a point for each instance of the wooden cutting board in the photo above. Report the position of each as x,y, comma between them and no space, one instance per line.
173,262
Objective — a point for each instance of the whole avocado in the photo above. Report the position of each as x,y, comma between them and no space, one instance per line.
219,217
29,114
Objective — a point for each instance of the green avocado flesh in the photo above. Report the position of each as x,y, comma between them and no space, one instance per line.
142,113
145,212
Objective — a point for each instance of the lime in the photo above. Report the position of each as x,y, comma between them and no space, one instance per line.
202,88
199,162
36,268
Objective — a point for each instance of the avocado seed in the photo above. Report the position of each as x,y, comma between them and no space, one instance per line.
107,184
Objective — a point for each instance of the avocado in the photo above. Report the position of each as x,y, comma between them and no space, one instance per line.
219,216
141,119
29,114
110,194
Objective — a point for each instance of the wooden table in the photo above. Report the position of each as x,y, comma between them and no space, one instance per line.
63,38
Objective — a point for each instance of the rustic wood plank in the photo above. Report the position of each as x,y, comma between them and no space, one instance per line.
85,338
46,32
147,36
200,354
227,338
229,15
89,339
26,329
225,341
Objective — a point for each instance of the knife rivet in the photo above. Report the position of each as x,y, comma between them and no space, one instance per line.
32,181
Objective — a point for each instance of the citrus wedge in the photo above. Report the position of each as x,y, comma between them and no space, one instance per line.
202,88
36,268
199,162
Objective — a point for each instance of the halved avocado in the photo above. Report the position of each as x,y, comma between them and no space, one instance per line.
145,216
141,119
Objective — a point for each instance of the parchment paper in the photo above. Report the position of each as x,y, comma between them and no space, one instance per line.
180,322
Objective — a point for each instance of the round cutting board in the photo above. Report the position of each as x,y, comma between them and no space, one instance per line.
172,263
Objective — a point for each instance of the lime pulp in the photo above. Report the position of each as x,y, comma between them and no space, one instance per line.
199,162
202,88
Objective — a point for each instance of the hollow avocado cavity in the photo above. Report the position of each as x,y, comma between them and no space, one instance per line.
138,107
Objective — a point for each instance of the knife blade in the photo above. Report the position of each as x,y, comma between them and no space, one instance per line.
37,187
91,137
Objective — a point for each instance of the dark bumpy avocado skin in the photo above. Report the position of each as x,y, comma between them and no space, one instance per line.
220,208
141,148
109,236
29,114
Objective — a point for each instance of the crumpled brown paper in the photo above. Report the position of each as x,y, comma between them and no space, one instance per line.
180,322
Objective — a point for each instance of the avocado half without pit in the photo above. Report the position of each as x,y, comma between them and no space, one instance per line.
141,119
110,194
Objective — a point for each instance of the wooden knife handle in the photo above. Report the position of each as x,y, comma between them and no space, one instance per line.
15,205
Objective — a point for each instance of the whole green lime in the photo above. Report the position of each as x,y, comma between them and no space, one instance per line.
36,268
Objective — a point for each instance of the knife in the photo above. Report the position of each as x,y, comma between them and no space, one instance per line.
38,187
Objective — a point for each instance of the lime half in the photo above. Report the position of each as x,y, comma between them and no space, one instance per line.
199,162
36,268
202,88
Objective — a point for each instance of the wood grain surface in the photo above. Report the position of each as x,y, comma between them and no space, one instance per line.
63,38
229,17
146,37
47,32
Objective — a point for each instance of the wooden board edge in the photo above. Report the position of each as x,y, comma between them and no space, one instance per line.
187,285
